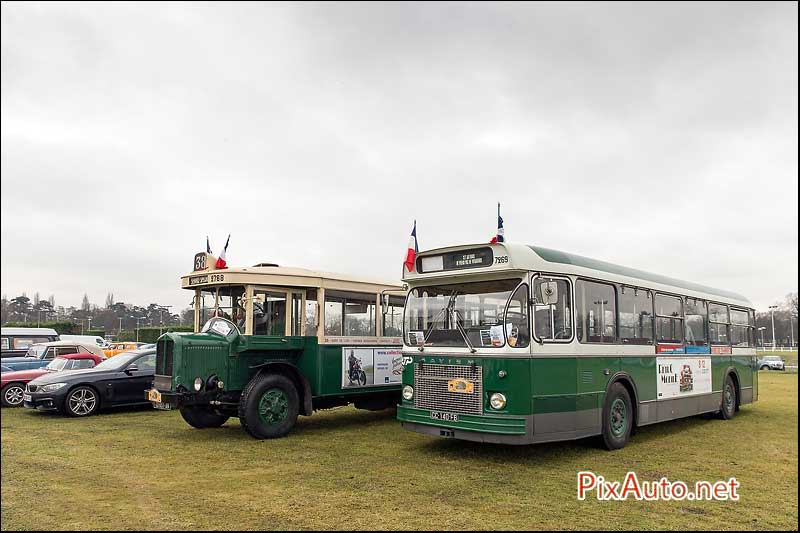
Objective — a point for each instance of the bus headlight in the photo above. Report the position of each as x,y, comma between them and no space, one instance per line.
408,392
198,384
497,401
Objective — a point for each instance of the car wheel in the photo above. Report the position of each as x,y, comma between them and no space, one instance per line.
81,401
764,367
269,406
617,417
201,417
728,403
12,395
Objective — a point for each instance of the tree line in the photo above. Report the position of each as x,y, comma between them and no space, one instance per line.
112,317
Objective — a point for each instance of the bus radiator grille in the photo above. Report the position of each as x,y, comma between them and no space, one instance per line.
431,391
164,352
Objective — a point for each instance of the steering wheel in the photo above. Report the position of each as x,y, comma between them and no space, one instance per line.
562,334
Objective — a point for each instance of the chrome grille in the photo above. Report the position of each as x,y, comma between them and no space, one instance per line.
430,388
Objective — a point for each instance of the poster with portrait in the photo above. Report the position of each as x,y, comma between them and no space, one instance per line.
358,367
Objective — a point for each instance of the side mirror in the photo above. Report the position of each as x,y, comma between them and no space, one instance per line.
131,368
385,303
548,293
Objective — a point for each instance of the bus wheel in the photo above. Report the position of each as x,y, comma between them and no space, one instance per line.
269,406
728,403
617,417
201,417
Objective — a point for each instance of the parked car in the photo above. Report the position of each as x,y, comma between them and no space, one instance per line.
96,339
16,341
12,384
119,347
40,355
771,362
119,380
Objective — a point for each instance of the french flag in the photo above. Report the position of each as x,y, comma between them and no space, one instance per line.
500,237
411,255
221,259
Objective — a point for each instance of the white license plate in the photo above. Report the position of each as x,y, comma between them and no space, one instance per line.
447,417
163,406
26,397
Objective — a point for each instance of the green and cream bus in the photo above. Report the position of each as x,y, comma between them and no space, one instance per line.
271,343
518,344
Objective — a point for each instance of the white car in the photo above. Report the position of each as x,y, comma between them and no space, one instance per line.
771,362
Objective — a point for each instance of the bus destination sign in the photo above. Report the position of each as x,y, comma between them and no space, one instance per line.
478,257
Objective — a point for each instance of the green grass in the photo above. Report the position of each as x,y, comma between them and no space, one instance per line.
348,469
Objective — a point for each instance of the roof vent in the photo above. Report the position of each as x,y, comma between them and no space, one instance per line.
265,265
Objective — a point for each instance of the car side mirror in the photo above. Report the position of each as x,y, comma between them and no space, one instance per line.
131,368
548,293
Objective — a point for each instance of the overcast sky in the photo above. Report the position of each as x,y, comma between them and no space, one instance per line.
662,137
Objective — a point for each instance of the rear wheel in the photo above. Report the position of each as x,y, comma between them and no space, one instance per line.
728,403
269,406
81,401
12,395
202,417
617,417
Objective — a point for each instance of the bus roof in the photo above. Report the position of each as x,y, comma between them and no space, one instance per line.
540,259
284,277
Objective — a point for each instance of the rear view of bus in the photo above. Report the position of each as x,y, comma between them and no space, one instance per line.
516,344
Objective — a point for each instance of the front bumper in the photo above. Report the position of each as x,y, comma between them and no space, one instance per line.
496,428
43,401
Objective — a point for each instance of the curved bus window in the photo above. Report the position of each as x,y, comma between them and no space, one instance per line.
596,312
740,326
553,321
517,330
696,318
669,319
635,316
718,321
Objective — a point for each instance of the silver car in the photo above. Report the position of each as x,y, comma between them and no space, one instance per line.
771,362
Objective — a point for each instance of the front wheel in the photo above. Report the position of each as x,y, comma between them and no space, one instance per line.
617,417
81,401
362,378
12,395
269,406
728,403
201,417
764,367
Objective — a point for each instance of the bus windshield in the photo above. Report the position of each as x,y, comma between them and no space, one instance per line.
443,315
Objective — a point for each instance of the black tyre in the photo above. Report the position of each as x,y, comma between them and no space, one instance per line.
269,406
82,401
727,407
12,395
764,367
362,378
202,417
617,417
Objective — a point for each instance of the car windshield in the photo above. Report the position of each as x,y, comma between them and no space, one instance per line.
59,363
118,361
437,315
36,350
772,358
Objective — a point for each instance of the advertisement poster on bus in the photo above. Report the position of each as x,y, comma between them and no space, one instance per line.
367,367
683,376
388,366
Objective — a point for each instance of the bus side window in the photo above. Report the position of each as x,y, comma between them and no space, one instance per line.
552,322
718,321
596,312
393,318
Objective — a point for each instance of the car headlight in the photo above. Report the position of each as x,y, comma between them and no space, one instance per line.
52,387
497,400
198,384
408,392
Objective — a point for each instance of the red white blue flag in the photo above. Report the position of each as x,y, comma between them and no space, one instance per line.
221,259
411,254
500,237
208,246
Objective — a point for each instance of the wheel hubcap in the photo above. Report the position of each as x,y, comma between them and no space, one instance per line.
273,407
618,417
14,395
728,397
82,402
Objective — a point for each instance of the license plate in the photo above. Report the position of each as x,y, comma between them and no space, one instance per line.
26,397
163,406
447,417
154,396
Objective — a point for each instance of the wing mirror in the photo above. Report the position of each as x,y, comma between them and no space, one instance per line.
131,368
548,293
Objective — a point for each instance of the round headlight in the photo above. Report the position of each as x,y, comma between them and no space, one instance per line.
198,384
408,392
497,401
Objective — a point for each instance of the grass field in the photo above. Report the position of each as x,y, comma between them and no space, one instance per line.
348,469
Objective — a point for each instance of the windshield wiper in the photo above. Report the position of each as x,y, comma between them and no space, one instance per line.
441,312
460,328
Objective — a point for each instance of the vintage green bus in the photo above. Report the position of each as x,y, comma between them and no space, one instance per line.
517,344
271,343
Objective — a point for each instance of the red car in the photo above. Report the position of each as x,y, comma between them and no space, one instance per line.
13,383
